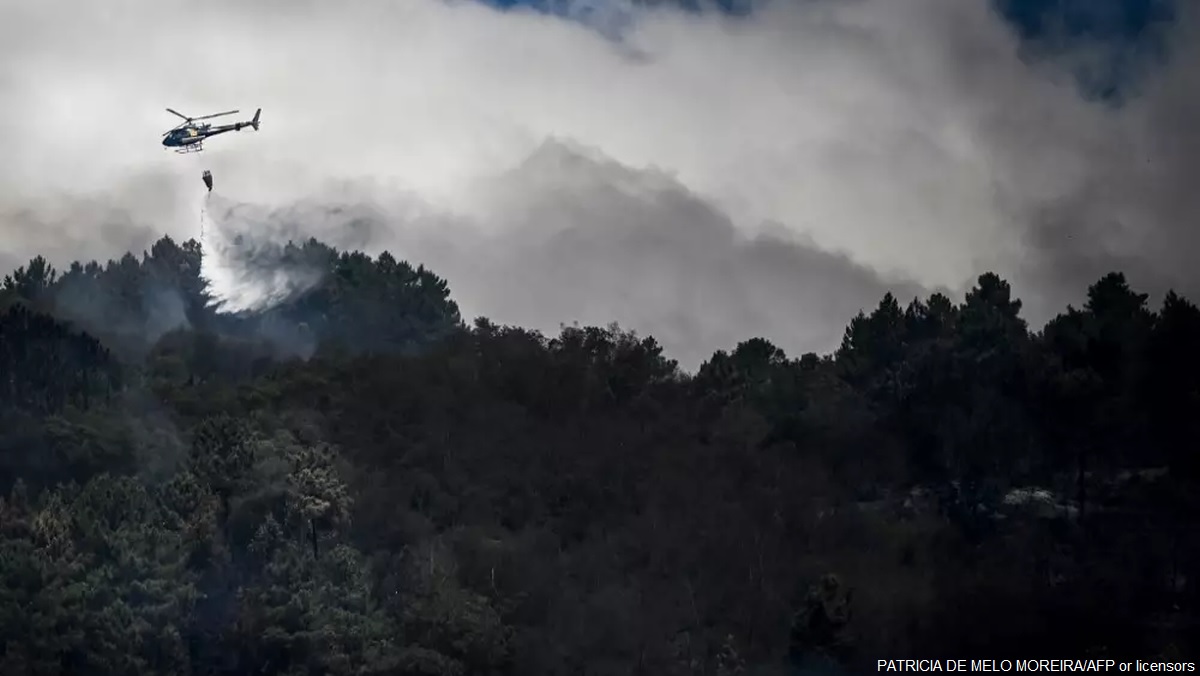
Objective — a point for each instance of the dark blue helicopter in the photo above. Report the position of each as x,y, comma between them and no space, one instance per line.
188,137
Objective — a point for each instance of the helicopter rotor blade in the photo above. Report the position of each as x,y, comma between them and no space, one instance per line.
176,112
205,117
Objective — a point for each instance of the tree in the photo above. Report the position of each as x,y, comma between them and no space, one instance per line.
355,482
32,282
1173,383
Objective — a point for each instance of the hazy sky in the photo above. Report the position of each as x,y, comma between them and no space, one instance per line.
700,177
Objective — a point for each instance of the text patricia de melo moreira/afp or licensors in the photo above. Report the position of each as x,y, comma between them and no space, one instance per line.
1034,665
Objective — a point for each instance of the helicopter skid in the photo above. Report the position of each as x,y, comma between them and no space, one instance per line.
193,148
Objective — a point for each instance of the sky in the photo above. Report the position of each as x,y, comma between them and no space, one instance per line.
701,176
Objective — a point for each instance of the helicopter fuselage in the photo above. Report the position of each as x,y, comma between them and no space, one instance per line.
191,135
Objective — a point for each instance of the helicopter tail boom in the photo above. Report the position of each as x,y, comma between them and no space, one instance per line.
254,122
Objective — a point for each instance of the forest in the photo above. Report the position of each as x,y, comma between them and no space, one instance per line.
359,481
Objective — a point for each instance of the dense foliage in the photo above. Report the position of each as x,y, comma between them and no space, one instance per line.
359,483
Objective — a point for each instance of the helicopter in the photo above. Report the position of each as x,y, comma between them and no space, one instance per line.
188,137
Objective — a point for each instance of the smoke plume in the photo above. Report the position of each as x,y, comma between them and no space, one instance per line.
252,260
697,175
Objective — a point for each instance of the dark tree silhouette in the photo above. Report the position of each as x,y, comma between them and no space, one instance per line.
355,482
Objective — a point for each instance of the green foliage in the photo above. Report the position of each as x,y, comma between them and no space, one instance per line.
31,282
49,367
95,582
301,615
356,483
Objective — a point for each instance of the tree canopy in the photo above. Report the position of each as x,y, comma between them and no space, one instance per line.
358,482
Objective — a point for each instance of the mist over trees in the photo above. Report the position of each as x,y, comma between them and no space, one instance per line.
358,482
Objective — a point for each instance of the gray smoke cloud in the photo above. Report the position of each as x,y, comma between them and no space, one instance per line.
251,260
704,179
597,242
1133,205
569,236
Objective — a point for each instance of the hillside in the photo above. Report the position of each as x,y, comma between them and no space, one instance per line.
358,482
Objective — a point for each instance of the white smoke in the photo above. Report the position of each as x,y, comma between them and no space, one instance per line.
246,262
